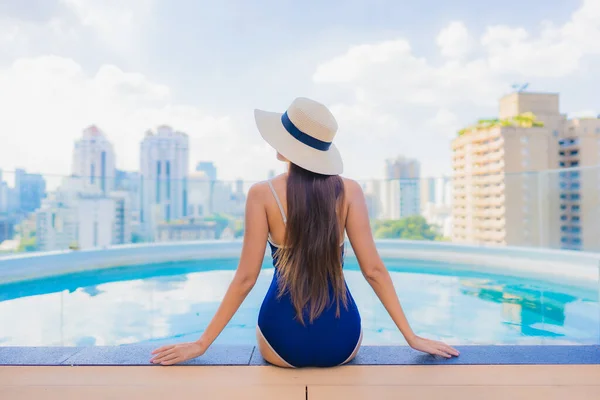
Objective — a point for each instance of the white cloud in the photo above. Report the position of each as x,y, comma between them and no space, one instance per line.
429,100
556,52
454,40
47,101
117,23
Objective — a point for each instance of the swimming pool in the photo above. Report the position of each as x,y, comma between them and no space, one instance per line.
174,301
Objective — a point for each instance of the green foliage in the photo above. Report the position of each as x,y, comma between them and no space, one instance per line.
238,228
27,244
410,228
525,120
222,221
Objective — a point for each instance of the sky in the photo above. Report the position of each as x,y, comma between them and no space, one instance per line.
401,77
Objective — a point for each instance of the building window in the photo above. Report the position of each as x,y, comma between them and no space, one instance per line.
555,134
524,139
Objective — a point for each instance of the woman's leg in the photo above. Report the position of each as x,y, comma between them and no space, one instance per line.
268,353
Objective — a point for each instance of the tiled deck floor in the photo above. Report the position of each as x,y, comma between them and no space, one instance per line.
549,382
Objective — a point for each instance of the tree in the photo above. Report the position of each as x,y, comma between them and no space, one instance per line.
410,228
27,244
222,221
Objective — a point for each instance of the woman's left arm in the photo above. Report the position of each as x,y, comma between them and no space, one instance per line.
253,253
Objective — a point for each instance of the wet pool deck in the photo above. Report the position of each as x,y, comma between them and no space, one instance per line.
482,372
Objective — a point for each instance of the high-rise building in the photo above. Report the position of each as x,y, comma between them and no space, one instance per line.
164,168
402,168
401,190
208,167
94,161
31,189
506,187
578,186
123,217
7,224
436,204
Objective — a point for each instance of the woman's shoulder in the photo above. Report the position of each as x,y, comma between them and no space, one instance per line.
258,190
352,187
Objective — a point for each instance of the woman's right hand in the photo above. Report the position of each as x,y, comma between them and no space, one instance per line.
433,347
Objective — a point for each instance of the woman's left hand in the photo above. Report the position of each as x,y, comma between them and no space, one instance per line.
177,353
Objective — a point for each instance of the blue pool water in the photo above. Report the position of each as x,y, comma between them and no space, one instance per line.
175,301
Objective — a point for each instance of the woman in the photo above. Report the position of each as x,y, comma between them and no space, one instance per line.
308,316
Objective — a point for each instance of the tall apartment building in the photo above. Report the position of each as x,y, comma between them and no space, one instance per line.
507,188
401,191
164,172
94,161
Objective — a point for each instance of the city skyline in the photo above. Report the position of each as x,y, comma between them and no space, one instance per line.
403,83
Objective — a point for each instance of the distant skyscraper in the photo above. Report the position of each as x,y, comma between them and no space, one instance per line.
401,192
164,168
402,168
31,189
129,184
94,161
208,167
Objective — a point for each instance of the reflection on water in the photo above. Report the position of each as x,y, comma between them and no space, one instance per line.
532,311
161,302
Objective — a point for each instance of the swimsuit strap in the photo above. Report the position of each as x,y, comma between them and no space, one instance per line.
278,202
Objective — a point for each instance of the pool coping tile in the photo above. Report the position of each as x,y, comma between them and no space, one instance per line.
222,355
140,355
482,355
20,355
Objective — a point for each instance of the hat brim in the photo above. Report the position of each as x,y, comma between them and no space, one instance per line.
273,132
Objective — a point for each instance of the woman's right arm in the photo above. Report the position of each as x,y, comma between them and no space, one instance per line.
359,232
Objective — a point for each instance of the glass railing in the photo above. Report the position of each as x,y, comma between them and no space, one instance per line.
549,209
162,300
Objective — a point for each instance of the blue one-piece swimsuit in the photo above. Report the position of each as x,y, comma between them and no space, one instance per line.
328,341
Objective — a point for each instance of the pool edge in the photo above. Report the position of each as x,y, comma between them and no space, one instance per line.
139,355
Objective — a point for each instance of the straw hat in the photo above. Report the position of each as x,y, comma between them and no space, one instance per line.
303,135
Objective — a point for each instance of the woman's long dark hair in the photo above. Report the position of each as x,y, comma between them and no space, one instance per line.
310,260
